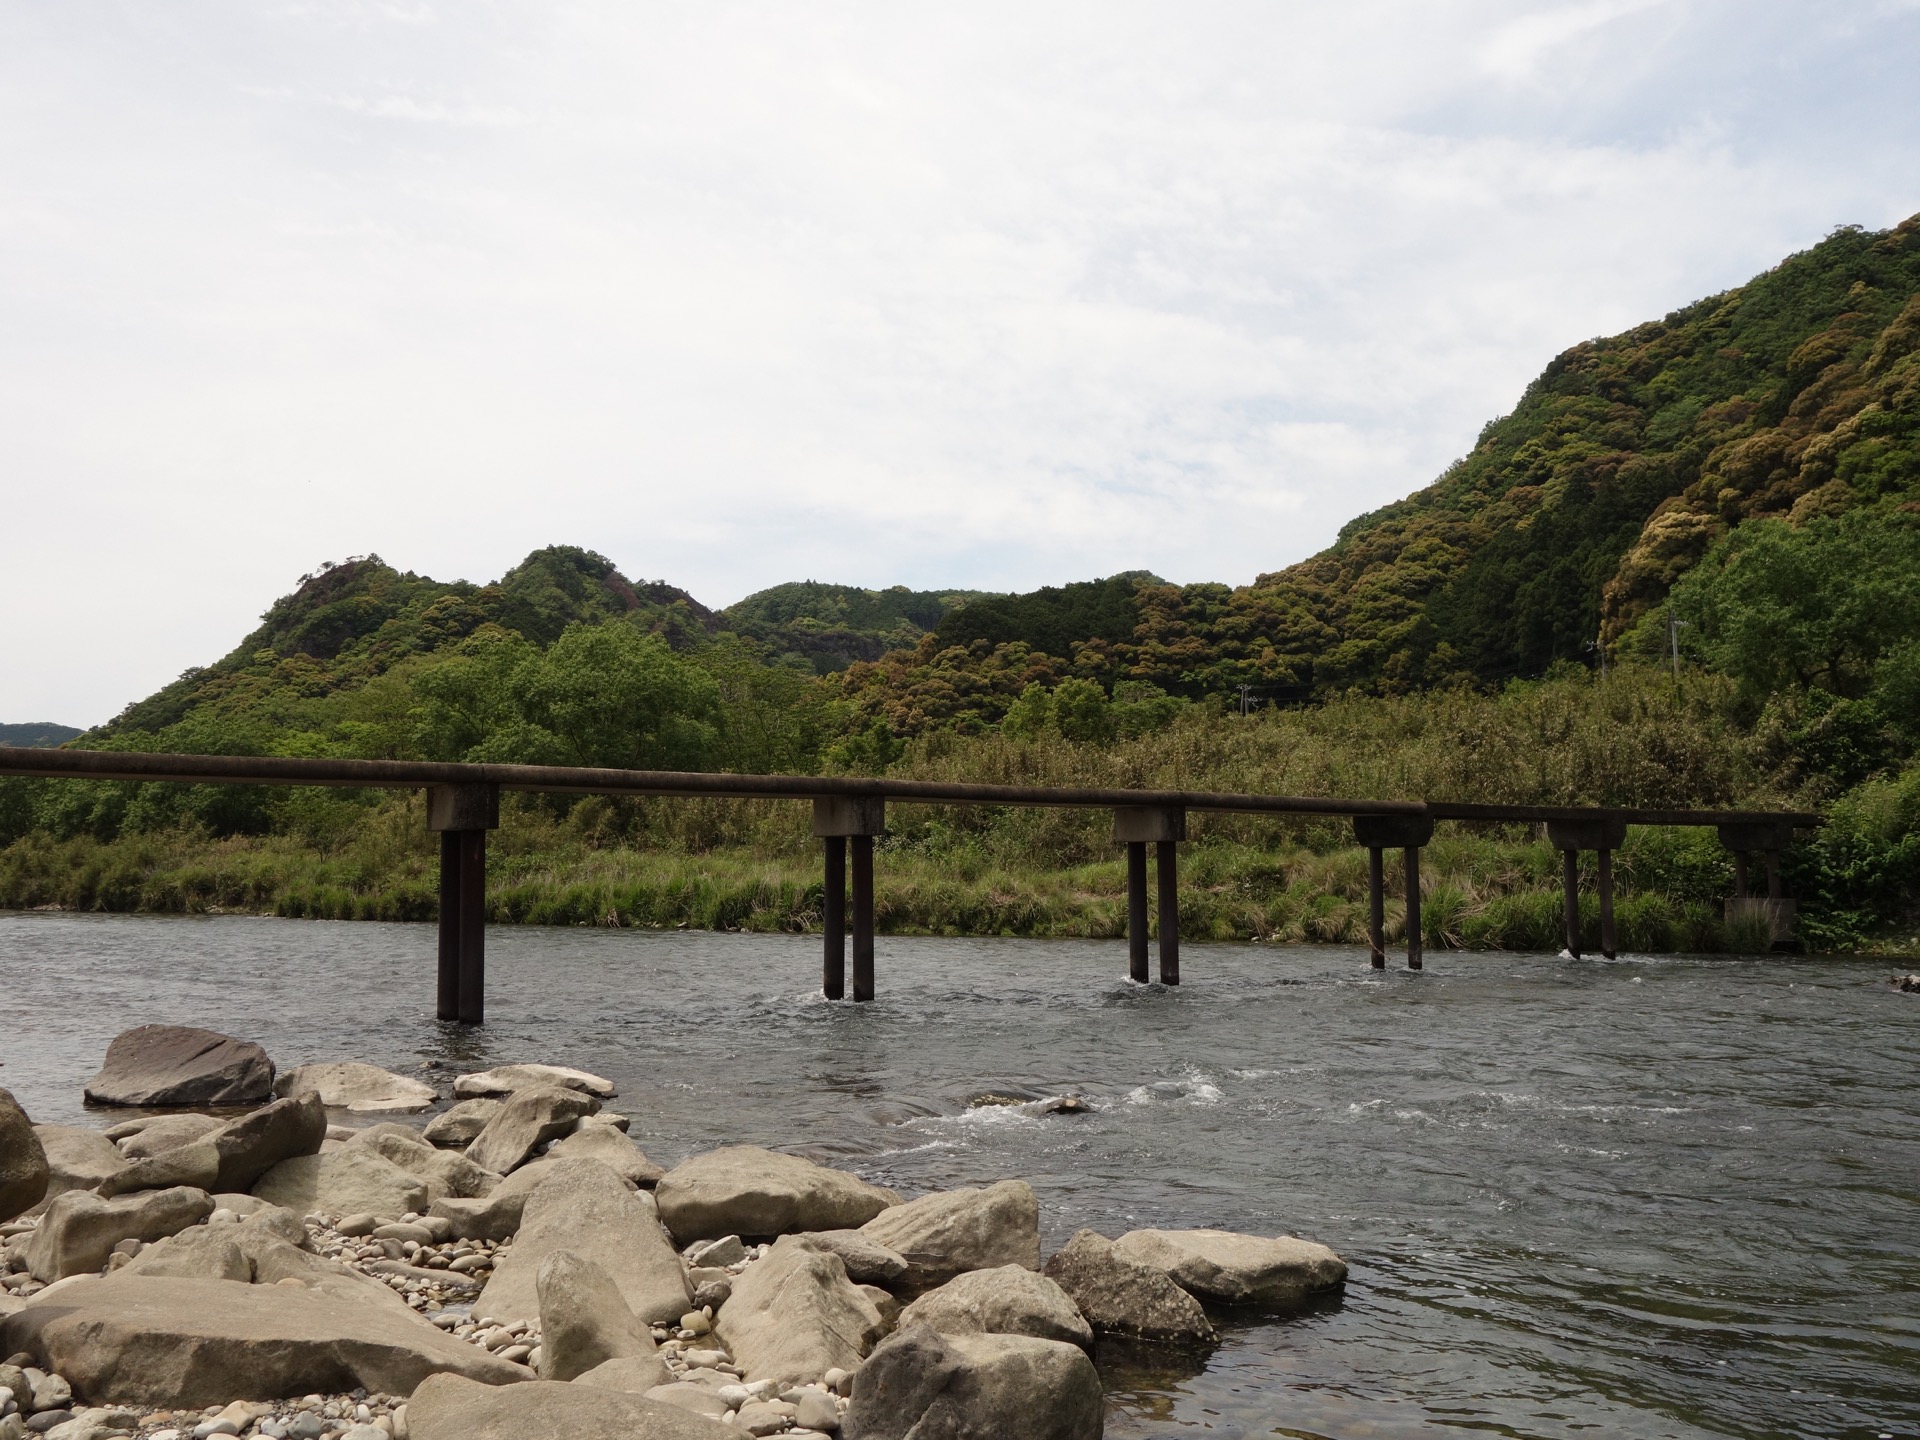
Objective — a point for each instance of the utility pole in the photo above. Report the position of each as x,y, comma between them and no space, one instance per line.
1246,692
1674,627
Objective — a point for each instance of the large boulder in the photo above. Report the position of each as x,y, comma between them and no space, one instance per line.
592,1140
497,1216
744,1190
267,1248
447,1174
794,1315
232,1157
922,1384
23,1161
196,1163
77,1158
1234,1269
180,1065
867,1262
184,1344
585,1322
952,1231
154,1134
80,1229
585,1208
1122,1297
447,1407
527,1121
1007,1300
362,1089
458,1125
505,1079
352,1180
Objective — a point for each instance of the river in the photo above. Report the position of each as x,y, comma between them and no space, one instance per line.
1664,1197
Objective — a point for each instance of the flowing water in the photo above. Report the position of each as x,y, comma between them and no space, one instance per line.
1655,1197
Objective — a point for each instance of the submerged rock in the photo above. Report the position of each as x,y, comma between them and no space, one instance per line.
505,1079
181,1065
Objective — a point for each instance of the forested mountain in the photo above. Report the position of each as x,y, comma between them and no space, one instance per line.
827,626
36,737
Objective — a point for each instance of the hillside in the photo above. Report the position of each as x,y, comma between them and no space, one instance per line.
37,737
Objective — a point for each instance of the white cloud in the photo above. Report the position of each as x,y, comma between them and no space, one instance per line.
738,293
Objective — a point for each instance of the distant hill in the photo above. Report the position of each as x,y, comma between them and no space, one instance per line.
827,626
37,737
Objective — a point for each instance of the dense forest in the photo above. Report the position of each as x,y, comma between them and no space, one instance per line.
1706,530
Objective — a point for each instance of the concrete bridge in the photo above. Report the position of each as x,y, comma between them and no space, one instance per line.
463,804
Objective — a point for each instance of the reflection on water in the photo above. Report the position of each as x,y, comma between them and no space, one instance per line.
1646,1198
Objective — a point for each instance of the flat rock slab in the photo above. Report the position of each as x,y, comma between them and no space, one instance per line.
585,1208
1234,1269
952,1231
1123,1297
179,1343
450,1408
362,1089
23,1160
1007,1300
745,1190
181,1065
921,1383
352,1180
505,1079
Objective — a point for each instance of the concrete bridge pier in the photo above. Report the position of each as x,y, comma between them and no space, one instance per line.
1604,835
462,815
1408,834
1164,829
1768,838
848,823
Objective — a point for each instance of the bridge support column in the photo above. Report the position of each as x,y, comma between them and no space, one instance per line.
462,815
1603,834
838,820
1409,834
1769,838
1164,829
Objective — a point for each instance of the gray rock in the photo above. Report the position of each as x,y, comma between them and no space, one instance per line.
528,1119
448,1408
181,1065
361,1089
197,1253
152,1135
952,1231
745,1190
690,1395
456,1127
252,1145
1234,1269
815,1410
922,1384
727,1250
150,1340
1119,1296
868,1262
592,1141
344,1182
80,1229
1007,1300
635,1374
195,1163
585,1322
584,1207
23,1161
497,1216
505,1079
52,1392
446,1174
77,1159
795,1315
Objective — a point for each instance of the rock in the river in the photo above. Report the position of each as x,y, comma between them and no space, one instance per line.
795,1315
1234,1269
80,1229
585,1322
153,1134
185,1344
448,1174
23,1162
362,1089
592,1140
868,1262
505,1079
456,1127
77,1158
952,1231
181,1065
744,1190
1122,1297
586,1208
921,1383
1007,1300
449,1408
528,1119
349,1181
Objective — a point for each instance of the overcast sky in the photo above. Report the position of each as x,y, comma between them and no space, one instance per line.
985,295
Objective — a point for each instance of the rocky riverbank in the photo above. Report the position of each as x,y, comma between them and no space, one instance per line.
513,1265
